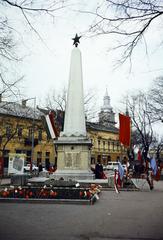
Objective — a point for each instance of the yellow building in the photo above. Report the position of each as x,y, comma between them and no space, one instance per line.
22,131
105,143
105,136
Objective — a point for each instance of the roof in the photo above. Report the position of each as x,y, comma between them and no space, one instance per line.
99,127
17,110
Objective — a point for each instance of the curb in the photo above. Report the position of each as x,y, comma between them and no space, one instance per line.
47,201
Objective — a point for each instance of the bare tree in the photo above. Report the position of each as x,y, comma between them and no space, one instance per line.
127,19
57,100
30,8
139,111
8,54
8,85
157,148
156,99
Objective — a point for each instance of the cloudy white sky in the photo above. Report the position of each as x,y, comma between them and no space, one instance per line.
46,65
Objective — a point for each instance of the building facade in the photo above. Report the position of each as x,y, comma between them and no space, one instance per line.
22,131
105,143
105,136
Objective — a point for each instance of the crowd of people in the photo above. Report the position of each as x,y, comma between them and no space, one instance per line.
149,169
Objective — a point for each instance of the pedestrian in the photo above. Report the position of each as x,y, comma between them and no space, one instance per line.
116,180
40,167
99,170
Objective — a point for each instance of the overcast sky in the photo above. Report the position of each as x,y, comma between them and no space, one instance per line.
46,65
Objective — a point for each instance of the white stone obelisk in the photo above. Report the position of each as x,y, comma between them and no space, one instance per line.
74,123
73,145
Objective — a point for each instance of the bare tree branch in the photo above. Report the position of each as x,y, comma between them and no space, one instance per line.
127,18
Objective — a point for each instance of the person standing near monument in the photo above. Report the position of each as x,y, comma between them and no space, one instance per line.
40,167
99,170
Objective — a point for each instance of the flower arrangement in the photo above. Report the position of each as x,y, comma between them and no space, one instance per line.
50,192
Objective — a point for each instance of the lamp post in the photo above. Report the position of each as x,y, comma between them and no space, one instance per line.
33,122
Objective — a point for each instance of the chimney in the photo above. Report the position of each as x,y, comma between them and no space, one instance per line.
24,103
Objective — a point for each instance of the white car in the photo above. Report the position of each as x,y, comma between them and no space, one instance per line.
27,168
112,166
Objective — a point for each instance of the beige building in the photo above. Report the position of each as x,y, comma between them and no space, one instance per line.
105,135
105,143
22,130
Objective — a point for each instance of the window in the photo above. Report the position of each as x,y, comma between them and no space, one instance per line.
30,133
117,146
113,147
109,146
98,144
6,158
40,135
20,130
47,160
39,157
28,154
8,131
18,151
104,145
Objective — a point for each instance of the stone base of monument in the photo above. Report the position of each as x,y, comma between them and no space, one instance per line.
52,191
73,175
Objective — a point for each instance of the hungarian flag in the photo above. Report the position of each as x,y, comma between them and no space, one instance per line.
124,129
50,127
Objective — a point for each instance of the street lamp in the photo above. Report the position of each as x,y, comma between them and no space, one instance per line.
33,122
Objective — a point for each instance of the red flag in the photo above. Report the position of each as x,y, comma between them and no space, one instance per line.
124,129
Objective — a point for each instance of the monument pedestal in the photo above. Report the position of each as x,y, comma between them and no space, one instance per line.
74,159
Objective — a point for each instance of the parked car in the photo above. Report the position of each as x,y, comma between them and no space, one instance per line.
27,168
112,166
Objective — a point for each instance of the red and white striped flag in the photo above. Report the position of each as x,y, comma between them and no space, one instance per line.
50,125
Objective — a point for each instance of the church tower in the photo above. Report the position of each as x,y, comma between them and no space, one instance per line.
106,115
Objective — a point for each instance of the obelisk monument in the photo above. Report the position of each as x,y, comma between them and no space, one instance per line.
73,145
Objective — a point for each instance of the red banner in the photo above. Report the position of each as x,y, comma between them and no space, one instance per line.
124,129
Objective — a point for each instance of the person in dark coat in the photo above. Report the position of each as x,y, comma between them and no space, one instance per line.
98,170
40,167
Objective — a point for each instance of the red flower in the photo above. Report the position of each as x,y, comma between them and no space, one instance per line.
88,194
30,194
81,193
